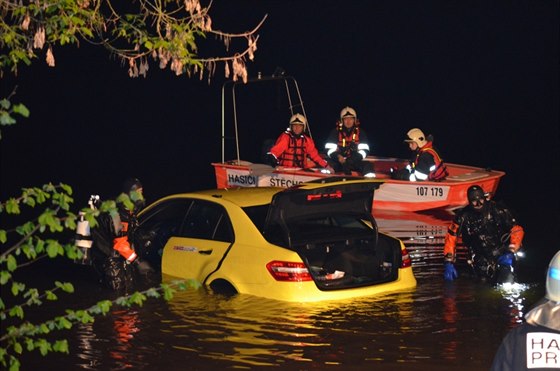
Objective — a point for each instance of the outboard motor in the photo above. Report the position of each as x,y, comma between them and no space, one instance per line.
83,239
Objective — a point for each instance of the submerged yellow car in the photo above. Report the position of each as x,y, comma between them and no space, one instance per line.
311,242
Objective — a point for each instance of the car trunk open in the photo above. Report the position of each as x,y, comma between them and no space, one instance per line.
332,228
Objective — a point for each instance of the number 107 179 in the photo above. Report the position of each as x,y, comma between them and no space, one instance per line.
429,191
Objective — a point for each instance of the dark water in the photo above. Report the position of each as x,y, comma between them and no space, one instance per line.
438,325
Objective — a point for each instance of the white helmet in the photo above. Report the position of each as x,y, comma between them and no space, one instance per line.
348,112
553,279
417,136
298,119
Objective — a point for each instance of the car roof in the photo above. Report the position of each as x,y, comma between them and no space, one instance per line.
255,196
243,197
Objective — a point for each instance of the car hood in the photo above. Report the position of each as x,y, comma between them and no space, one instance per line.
306,199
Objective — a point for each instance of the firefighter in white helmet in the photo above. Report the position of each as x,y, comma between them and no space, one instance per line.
347,145
426,163
294,148
535,344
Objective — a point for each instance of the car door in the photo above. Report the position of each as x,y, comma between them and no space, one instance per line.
201,244
156,225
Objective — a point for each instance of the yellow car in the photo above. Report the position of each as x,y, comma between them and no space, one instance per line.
312,242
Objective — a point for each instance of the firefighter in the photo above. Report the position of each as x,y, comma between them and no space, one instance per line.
492,235
114,257
293,147
426,163
347,146
535,344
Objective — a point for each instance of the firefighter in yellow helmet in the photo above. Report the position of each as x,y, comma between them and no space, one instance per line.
426,163
347,145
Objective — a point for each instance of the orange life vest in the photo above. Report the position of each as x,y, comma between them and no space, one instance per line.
440,172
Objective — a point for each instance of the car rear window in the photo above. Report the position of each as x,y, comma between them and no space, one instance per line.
257,214
327,227
311,229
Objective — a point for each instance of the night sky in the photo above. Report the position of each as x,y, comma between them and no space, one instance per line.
481,76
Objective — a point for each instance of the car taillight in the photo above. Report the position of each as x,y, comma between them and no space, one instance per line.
288,271
324,196
406,261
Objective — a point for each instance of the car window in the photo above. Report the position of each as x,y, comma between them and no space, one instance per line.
313,229
207,220
167,215
327,225
257,214
160,223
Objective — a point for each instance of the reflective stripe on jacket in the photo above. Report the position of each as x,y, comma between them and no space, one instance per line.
347,143
435,172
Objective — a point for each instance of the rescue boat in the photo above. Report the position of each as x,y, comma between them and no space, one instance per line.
398,195
241,171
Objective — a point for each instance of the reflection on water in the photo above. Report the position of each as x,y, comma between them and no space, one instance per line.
438,325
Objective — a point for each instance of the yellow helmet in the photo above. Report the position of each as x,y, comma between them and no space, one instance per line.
417,136
298,119
348,112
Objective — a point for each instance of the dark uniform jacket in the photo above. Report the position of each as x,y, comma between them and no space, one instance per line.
529,347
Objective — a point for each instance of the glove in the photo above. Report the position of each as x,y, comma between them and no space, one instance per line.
271,160
449,272
506,259
327,170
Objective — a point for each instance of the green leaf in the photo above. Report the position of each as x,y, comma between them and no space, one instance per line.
70,222
5,104
137,298
43,328
39,246
72,252
25,229
63,322
61,346
54,249
4,277
153,293
51,295
30,345
17,287
18,348
65,286
3,236
66,188
21,109
43,345
12,206
6,119
16,311
84,316
14,364
11,263
167,292
104,306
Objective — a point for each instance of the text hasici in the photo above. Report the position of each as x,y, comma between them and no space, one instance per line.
251,181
